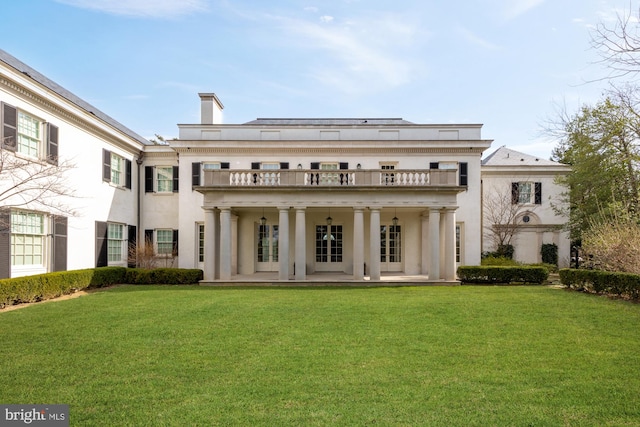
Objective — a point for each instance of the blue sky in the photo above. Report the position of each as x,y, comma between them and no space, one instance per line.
504,63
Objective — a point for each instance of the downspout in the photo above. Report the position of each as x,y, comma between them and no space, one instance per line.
138,202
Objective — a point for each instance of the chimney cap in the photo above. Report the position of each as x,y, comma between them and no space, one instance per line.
211,96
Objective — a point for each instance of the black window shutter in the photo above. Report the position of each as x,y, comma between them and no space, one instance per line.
132,247
255,165
127,168
106,165
9,132
148,179
52,144
315,165
224,165
538,193
5,243
463,173
148,237
102,259
176,173
195,173
344,165
175,242
59,243
434,165
284,165
515,193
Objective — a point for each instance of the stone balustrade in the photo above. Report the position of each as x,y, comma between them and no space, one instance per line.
330,178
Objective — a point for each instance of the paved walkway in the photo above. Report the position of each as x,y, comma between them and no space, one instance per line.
330,279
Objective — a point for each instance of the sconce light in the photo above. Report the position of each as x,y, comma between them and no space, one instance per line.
394,220
329,219
263,220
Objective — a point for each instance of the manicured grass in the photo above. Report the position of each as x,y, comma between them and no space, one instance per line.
186,356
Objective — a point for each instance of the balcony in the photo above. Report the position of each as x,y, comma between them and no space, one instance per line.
330,178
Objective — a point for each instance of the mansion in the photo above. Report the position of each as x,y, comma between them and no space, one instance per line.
284,198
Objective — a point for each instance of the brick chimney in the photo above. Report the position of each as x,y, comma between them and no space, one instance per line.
210,109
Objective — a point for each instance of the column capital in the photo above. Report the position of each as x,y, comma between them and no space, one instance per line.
284,208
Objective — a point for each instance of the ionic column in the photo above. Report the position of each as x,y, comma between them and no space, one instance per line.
300,249
283,244
225,244
434,244
374,248
210,226
450,244
424,254
358,243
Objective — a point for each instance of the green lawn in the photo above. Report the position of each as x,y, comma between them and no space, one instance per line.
443,356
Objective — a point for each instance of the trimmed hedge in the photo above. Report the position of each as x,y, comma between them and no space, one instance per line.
51,285
602,282
502,274
158,276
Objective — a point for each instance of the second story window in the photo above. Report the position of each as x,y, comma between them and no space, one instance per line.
526,193
161,179
116,169
29,135
164,177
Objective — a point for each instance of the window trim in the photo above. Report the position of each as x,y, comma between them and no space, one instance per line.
535,193
122,261
44,241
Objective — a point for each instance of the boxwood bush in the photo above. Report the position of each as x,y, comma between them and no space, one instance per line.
491,274
602,282
51,285
173,276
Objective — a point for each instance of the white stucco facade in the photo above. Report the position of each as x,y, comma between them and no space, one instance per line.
294,197
536,216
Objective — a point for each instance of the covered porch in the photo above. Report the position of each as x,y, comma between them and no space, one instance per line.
352,249
271,279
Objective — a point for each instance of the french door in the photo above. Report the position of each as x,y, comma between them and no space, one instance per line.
267,247
329,248
390,247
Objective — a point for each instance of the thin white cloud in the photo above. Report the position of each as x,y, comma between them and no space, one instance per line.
476,40
361,55
326,18
516,8
312,9
158,9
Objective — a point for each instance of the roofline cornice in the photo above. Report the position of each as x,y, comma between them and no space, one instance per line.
20,91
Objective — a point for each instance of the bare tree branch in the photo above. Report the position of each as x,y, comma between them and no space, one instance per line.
34,184
619,44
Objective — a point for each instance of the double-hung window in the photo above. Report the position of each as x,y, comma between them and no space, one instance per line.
164,242
115,243
164,179
29,135
116,169
27,238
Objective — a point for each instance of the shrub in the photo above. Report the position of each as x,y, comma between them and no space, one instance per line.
51,285
549,252
167,276
498,260
602,282
502,274
614,244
